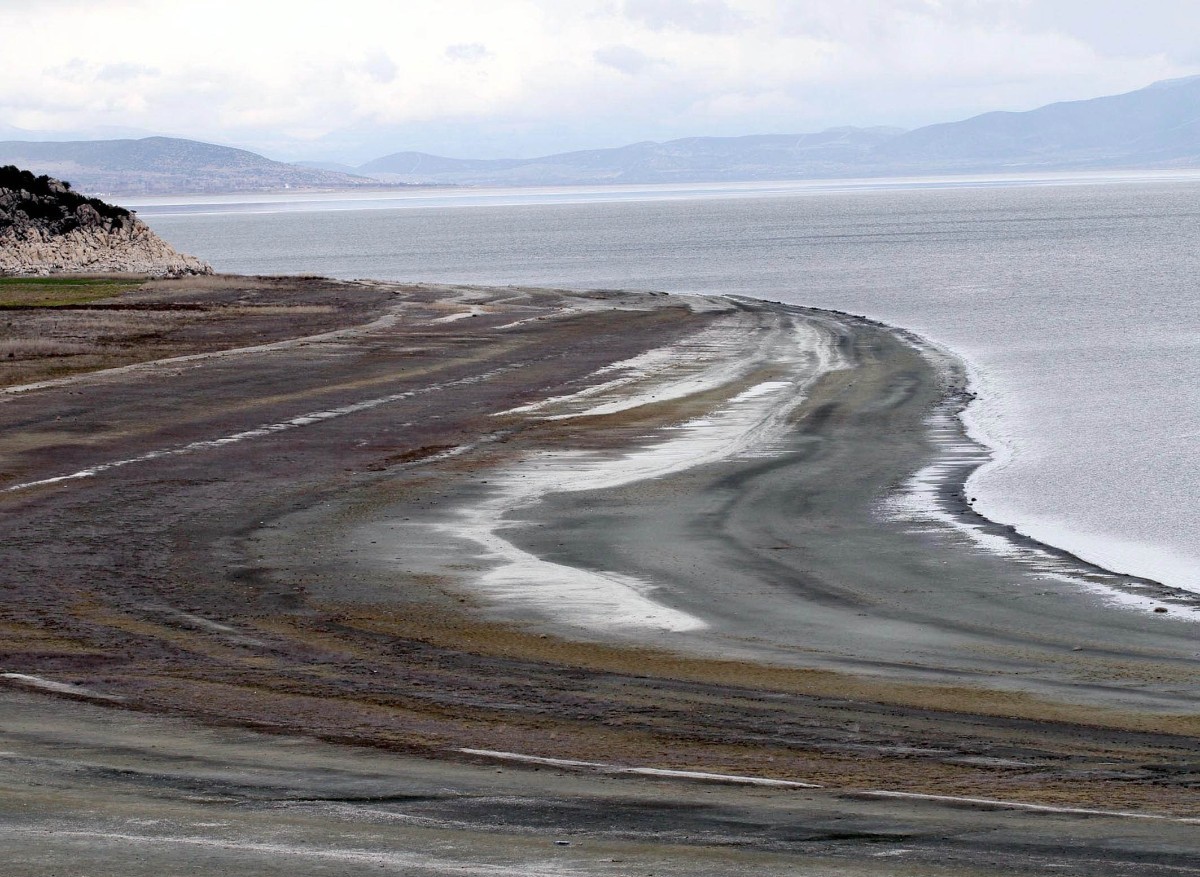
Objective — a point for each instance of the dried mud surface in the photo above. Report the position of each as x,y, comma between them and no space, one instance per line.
154,319
248,573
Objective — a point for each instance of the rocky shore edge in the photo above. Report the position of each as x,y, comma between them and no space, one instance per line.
48,228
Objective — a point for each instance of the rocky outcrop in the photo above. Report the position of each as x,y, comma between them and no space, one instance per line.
47,228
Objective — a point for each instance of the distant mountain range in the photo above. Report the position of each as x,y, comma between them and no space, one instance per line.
165,165
1154,127
694,158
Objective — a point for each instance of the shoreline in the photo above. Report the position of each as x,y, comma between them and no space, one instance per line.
951,487
1036,562
287,548
1068,550
1054,420
1135,591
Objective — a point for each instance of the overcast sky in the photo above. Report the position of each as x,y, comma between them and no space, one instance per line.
355,79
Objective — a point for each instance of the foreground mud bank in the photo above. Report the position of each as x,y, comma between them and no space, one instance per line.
483,526
84,790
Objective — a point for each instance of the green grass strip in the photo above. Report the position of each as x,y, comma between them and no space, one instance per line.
52,292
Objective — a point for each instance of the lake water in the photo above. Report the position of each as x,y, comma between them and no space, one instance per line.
1077,302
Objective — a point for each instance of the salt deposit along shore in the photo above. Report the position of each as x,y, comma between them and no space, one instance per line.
519,581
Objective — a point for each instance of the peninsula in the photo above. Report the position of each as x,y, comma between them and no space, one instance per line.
425,579
632,541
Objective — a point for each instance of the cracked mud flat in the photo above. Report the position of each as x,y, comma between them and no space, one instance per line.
480,571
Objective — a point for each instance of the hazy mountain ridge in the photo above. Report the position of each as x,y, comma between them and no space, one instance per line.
162,165
1153,127
708,158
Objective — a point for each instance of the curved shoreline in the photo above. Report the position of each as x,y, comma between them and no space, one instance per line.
1128,590
1140,590
837,416
310,668
602,532
1134,590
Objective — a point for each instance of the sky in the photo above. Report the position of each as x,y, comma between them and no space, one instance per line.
356,79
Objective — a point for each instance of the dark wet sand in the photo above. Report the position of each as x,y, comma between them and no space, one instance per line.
237,586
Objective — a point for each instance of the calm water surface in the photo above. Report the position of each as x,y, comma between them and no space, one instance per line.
1078,305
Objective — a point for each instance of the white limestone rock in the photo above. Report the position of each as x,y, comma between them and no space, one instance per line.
46,228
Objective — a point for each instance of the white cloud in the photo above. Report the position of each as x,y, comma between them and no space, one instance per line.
380,66
123,72
574,74
467,52
698,16
625,59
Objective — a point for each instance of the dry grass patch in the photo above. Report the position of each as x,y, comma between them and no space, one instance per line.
277,310
34,348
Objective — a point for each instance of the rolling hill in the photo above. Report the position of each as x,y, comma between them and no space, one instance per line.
694,158
1156,126
165,165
